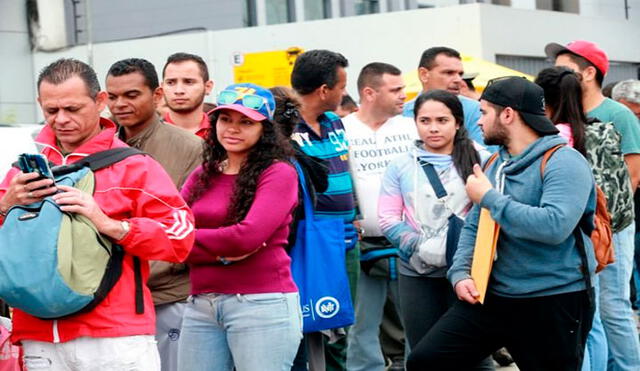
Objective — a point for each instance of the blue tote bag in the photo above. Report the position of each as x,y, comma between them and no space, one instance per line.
318,269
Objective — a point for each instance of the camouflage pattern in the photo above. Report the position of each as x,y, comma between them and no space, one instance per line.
602,143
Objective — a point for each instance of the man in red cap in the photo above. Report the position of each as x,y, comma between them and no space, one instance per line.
592,64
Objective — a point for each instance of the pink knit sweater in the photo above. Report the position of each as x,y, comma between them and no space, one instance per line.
263,234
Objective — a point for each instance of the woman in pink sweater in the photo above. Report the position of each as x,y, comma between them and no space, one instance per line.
244,311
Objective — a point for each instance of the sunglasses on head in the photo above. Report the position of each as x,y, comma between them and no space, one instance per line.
255,102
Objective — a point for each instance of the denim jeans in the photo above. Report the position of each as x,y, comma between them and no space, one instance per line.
168,326
615,306
248,332
363,342
596,349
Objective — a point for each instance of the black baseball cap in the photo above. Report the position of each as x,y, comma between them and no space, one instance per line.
523,96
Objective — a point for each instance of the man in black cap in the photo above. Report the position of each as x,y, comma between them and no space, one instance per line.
538,301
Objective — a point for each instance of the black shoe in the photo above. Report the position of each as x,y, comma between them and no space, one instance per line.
503,357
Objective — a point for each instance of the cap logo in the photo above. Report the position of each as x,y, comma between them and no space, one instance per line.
543,103
244,90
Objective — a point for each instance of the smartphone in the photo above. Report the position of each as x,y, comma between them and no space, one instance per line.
35,163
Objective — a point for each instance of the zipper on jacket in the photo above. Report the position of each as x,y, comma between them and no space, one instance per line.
63,157
56,334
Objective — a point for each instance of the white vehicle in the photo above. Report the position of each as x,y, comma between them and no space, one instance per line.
14,140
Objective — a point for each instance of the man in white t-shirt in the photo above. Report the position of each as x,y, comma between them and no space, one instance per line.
377,133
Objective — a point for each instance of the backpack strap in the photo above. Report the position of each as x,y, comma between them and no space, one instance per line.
137,272
490,161
98,160
576,232
547,155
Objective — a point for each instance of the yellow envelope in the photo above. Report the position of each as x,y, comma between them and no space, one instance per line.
484,252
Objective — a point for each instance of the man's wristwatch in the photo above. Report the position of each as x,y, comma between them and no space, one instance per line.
125,229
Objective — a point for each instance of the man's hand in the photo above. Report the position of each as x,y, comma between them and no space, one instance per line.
466,290
24,189
73,200
358,228
477,184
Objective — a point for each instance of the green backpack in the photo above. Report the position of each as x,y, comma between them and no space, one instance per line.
602,143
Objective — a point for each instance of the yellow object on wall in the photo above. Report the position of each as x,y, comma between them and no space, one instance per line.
268,69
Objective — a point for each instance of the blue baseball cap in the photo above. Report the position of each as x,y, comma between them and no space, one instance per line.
253,101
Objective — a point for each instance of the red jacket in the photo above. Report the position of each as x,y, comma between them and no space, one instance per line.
137,190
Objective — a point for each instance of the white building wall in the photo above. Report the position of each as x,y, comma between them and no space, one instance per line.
525,33
397,38
610,9
16,72
524,4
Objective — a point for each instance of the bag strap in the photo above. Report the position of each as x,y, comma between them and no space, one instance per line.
490,161
434,179
306,198
585,263
576,232
137,272
98,160
547,155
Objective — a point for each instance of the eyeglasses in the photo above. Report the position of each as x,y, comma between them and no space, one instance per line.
255,102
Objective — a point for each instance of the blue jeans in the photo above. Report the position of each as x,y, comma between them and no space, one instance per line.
363,341
596,349
615,306
248,332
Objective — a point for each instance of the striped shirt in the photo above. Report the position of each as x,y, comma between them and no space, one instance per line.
332,147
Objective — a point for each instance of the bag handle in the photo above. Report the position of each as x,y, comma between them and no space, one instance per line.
306,198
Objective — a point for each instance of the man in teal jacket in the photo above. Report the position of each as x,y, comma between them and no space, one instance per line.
538,304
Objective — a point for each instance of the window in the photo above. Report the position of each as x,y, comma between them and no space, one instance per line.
569,6
249,15
279,11
367,6
316,9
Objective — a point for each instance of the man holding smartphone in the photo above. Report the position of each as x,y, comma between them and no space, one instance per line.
135,204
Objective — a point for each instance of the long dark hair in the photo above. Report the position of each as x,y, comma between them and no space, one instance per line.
464,153
287,112
271,147
563,96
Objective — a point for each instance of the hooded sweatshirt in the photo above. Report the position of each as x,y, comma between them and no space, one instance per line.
411,216
536,253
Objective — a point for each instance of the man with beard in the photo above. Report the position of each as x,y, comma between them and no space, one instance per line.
185,82
539,303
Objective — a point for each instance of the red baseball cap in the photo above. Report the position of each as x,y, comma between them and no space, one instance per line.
585,49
